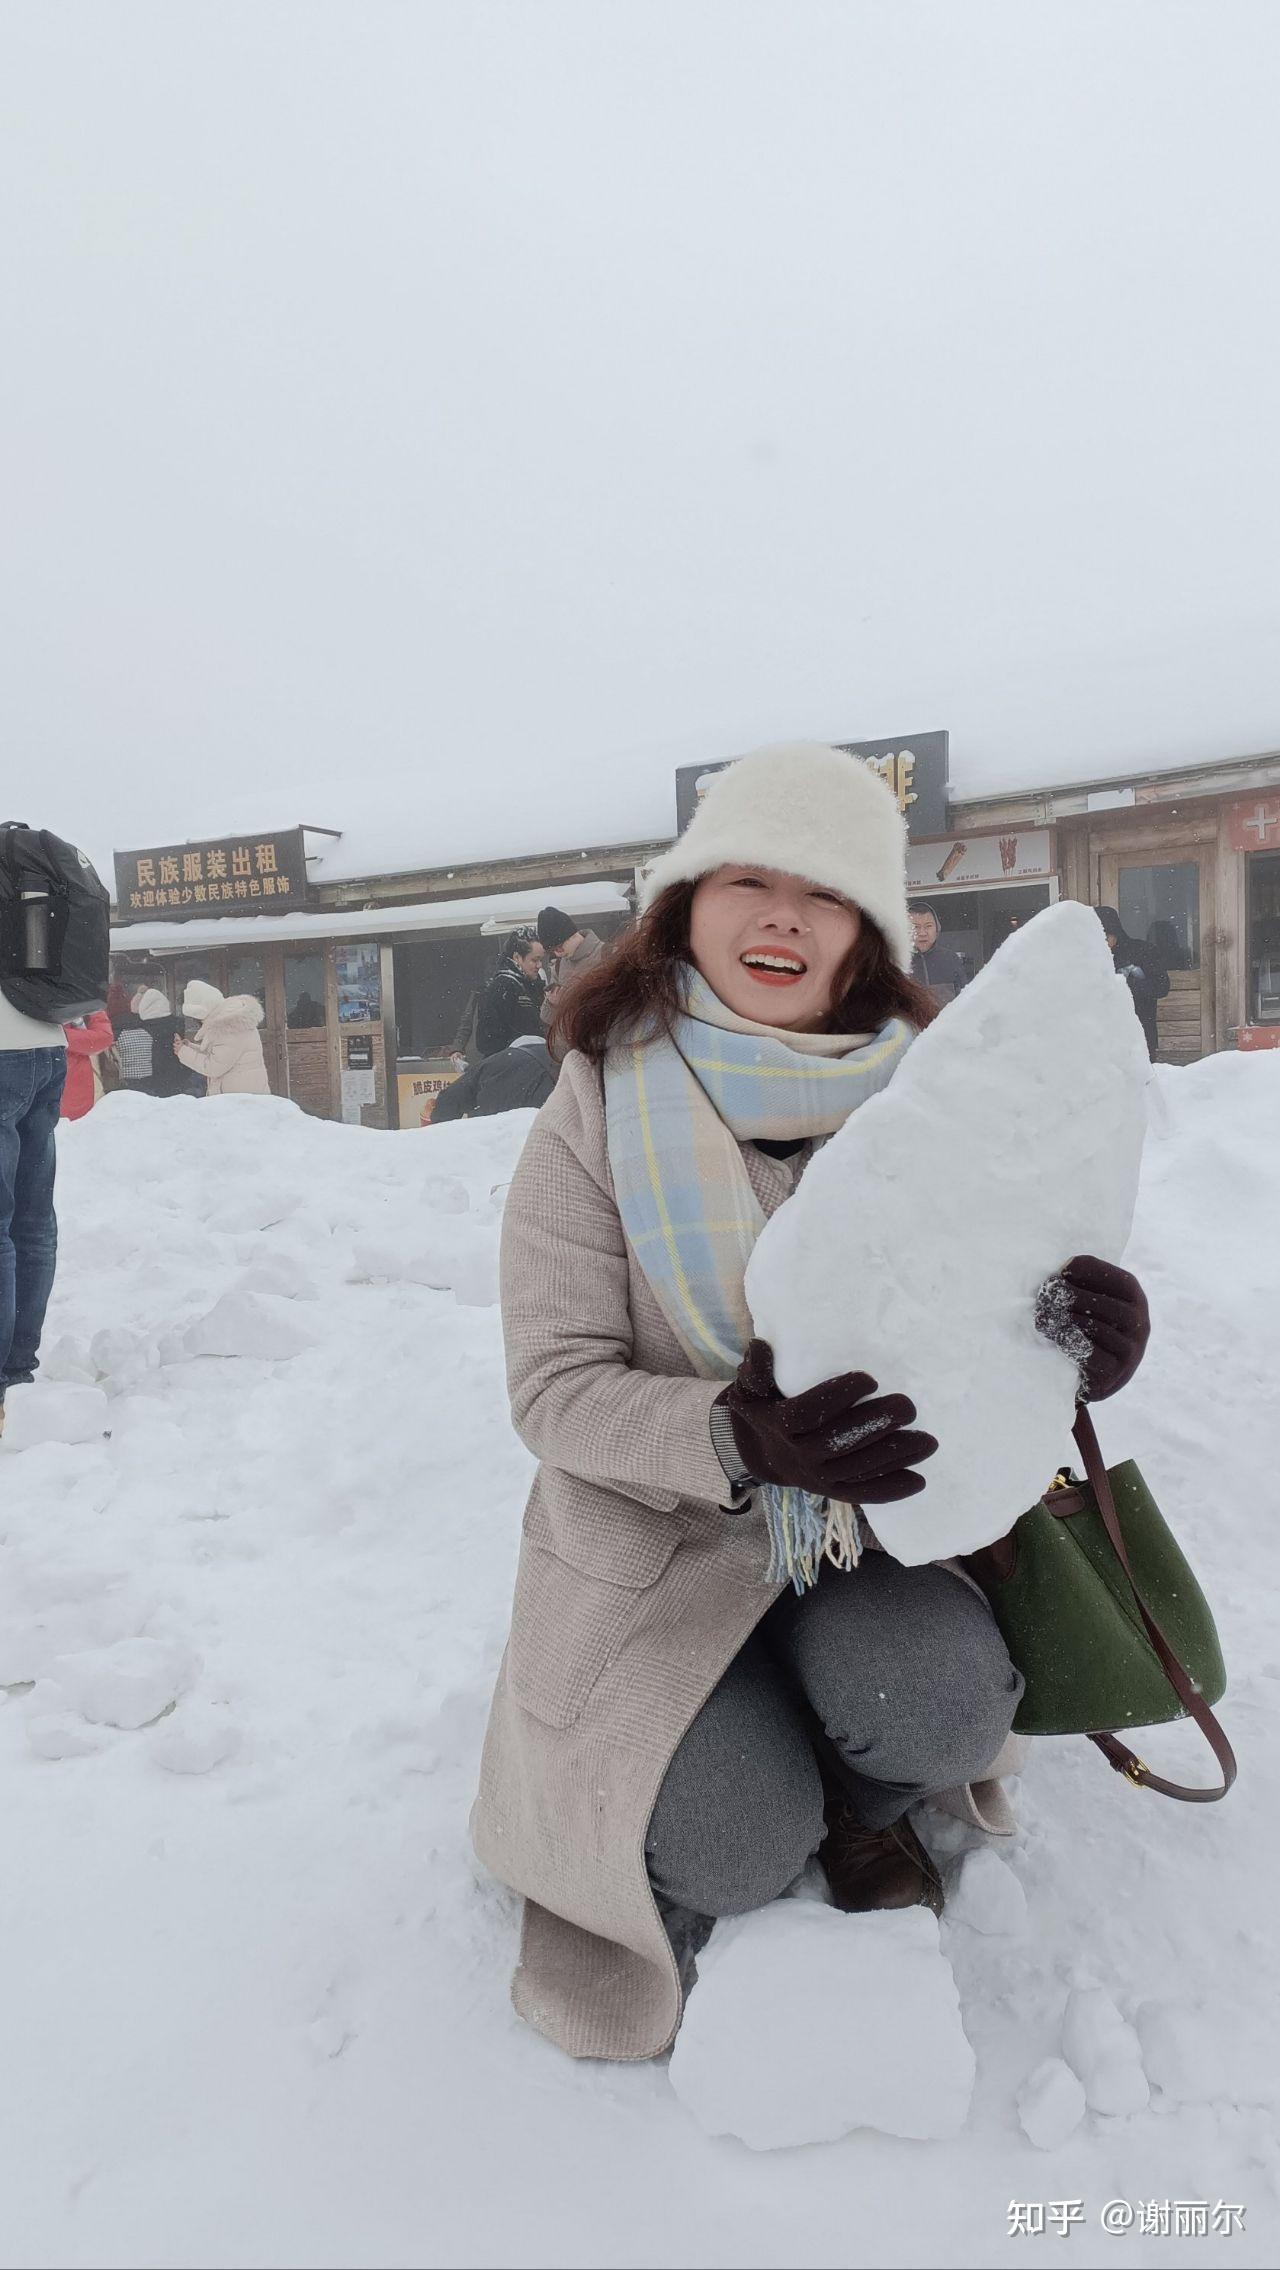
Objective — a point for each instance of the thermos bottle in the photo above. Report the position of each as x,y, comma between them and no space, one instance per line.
36,943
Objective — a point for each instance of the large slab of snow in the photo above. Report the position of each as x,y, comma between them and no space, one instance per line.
1008,1141
255,1990
806,2023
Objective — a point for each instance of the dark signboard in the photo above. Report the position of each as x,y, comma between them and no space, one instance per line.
914,766
235,874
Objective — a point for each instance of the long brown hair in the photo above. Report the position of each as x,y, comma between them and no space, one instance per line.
634,989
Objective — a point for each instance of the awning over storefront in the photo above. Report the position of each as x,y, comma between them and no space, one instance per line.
503,910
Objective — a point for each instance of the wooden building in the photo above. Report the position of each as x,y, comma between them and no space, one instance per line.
1191,860
365,980
364,985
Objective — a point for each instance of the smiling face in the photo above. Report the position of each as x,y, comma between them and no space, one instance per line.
770,945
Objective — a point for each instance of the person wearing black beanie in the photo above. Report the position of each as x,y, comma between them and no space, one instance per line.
571,951
555,928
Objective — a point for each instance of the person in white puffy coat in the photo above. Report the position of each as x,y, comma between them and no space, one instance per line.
227,1049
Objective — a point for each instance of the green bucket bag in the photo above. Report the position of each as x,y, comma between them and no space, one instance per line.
1103,1617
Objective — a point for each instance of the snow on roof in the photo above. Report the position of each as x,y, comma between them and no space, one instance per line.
501,910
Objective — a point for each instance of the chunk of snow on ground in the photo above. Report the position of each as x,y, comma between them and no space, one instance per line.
1008,1140
1051,2104
281,1273
985,1893
127,1684
1104,2052
1181,2053
56,1728
195,1738
117,1350
46,1411
57,1734
68,1359
257,1325
806,2023
31,1638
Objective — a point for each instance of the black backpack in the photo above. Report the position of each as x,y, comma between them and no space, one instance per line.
55,926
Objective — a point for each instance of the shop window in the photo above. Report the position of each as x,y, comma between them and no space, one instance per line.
1160,906
188,966
955,933
303,992
246,974
437,985
1263,870
358,969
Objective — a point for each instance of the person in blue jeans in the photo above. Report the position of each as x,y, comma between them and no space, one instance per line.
33,1067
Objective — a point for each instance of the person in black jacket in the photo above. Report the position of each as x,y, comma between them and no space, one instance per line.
1143,970
519,1078
167,1077
939,969
513,998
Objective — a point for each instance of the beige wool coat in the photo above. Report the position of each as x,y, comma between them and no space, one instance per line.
634,1592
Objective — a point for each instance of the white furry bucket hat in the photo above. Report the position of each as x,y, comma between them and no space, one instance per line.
200,1000
803,809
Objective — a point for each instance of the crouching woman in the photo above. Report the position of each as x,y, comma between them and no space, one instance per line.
707,1682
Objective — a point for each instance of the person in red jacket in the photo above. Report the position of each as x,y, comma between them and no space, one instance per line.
84,1041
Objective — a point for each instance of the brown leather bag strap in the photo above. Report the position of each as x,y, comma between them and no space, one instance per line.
1113,1750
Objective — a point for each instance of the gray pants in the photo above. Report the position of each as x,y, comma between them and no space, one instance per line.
888,1683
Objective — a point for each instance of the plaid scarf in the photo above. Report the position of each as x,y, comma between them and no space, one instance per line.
678,1110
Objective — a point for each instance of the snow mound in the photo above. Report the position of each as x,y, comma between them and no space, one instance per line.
1051,2104
1009,1140
128,1684
806,2023
1104,2052
47,1411
339,1536
261,1325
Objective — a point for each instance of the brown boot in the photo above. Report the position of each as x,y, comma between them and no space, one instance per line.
869,1868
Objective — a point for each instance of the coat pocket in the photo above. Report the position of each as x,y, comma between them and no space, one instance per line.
619,1536
567,1625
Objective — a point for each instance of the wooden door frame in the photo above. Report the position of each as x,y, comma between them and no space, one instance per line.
1116,847
277,1028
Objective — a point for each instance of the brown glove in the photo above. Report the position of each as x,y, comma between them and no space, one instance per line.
1097,1314
838,1440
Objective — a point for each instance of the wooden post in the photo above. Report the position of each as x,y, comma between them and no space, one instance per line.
1231,1007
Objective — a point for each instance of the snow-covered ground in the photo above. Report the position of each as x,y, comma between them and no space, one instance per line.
253,1986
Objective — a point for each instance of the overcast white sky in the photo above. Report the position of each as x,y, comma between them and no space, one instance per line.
441,420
